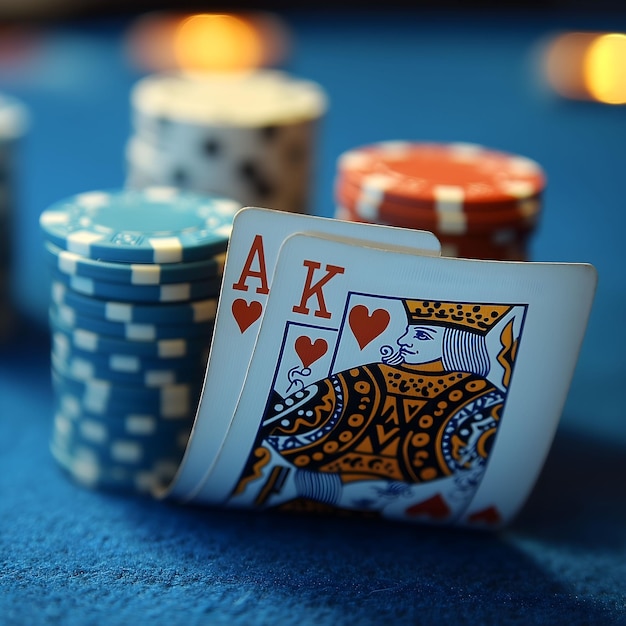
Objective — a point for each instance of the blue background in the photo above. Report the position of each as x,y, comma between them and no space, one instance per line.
73,556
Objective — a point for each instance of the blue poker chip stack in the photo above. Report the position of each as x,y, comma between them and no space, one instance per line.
13,120
135,281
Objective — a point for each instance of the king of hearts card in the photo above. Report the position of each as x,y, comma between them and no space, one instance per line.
411,387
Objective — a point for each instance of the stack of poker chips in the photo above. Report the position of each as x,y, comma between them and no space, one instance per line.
480,203
246,136
12,124
135,281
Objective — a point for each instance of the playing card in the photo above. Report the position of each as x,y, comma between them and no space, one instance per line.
253,249
408,387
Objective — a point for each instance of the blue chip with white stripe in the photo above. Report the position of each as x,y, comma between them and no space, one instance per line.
88,341
132,331
153,225
127,369
73,264
115,311
134,454
102,397
121,363
173,292
164,436
87,469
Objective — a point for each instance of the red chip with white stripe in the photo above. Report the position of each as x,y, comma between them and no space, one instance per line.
444,176
522,214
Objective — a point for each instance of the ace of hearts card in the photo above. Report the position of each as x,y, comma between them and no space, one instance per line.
405,386
254,245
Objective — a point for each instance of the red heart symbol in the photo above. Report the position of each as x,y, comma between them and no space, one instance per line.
246,314
434,507
489,515
366,327
309,351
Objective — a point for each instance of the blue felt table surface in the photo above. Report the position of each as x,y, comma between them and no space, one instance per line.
72,556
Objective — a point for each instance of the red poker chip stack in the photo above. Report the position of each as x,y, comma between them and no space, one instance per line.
481,203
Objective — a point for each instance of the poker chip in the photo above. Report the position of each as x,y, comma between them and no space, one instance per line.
135,279
249,136
89,341
72,264
13,124
7,314
13,119
131,312
155,225
107,439
129,363
127,451
103,397
175,292
521,215
116,365
130,331
127,425
222,98
480,202
85,466
466,174
126,369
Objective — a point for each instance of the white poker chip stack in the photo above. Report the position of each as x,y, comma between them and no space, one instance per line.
251,137
13,120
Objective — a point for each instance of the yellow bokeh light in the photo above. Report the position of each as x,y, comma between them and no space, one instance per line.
605,68
215,42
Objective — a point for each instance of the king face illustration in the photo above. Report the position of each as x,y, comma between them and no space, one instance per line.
428,410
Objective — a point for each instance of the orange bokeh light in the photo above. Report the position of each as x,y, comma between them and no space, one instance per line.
207,42
588,66
149,41
563,64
